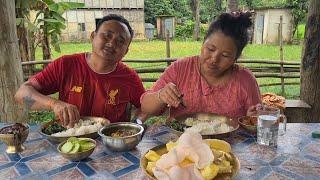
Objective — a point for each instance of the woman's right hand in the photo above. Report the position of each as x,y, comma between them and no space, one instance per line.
67,113
170,95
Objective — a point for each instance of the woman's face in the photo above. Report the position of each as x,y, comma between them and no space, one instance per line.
218,54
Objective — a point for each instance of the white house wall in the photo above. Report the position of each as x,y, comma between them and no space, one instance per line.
132,10
274,18
109,3
271,23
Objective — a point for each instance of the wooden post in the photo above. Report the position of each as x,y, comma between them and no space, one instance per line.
281,57
168,45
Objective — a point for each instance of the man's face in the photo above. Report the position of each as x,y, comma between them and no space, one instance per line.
111,41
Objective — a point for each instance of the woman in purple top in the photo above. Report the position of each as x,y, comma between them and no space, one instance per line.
210,82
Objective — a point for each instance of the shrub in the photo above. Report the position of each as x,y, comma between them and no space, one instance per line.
185,31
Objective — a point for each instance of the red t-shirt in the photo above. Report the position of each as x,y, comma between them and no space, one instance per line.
95,94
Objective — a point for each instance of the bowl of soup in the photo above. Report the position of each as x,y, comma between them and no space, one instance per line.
121,136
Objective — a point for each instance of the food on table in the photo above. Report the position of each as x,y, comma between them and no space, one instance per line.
75,145
212,127
204,126
152,156
53,128
218,144
202,117
176,125
250,120
191,158
124,133
16,128
80,128
271,99
170,145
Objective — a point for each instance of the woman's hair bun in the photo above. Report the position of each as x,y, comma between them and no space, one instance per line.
245,19
234,25
236,19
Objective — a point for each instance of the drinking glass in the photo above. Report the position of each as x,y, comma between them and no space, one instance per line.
268,125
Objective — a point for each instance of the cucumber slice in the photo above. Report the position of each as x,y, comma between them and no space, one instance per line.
75,148
86,145
73,139
67,147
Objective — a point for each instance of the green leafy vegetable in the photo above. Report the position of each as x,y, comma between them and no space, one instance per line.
53,128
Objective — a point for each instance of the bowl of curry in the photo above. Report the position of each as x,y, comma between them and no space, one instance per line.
121,136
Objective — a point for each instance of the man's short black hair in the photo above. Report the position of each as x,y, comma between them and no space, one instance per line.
115,17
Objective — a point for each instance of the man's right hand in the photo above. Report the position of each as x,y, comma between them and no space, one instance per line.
67,113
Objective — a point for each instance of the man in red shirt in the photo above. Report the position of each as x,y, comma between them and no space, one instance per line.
89,84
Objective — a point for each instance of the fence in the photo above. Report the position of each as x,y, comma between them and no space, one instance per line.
260,68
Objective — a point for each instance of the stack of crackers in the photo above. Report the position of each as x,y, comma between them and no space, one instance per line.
271,99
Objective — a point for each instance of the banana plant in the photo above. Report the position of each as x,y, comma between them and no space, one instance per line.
48,23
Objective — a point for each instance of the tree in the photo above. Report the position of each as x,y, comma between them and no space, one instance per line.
46,28
209,9
195,7
155,8
10,67
22,31
232,5
299,11
310,66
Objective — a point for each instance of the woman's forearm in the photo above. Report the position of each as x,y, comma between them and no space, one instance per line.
151,103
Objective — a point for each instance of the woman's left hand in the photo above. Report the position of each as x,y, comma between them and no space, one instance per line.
252,110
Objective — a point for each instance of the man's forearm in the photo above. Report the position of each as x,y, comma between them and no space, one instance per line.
32,99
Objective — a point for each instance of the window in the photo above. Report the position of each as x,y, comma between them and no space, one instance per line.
82,27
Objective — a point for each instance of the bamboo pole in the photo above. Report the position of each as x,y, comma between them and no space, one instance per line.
168,45
281,57
240,61
279,84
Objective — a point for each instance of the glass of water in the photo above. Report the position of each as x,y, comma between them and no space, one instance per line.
282,125
268,126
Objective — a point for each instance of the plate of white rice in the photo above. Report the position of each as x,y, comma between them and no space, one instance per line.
87,127
208,125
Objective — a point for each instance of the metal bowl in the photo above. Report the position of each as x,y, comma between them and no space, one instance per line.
79,155
121,143
15,141
93,135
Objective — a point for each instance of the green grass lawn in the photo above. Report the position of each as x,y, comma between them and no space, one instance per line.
157,49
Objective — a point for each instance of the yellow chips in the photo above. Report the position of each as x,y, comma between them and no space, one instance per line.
209,172
219,145
186,162
222,159
152,156
170,145
150,165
